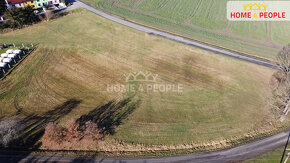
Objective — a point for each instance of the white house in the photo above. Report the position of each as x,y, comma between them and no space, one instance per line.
15,3
53,2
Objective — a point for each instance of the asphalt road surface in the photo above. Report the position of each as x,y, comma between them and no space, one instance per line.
239,153
173,37
236,154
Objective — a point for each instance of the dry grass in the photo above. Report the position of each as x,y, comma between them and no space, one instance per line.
115,146
222,98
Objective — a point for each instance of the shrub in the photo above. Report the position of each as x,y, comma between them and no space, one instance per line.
10,130
72,134
48,15
53,133
281,93
92,131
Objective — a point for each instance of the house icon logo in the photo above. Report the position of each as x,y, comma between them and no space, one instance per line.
255,7
144,82
141,77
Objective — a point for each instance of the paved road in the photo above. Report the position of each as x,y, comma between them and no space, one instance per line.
230,155
151,31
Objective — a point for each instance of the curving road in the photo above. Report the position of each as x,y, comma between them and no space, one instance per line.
239,153
236,154
173,37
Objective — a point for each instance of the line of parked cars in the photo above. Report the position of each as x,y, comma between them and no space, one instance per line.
10,58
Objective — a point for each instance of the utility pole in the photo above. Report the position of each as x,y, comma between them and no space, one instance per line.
285,149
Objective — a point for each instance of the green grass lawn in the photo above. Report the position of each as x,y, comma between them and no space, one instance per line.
2,51
270,157
203,20
79,54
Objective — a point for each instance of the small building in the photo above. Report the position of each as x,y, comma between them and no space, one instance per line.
41,3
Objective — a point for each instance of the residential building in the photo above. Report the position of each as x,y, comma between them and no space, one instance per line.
31,3
41,3
35,4
15,3
53,2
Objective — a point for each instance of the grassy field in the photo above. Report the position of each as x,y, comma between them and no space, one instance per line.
270,157
203,20
79,54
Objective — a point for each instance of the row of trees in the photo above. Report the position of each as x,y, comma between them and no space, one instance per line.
17,17
281,92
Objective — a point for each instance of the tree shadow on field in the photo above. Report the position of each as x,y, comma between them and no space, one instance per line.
110,115
33,130
35,124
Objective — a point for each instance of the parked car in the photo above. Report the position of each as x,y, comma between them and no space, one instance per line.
4,55
9,51
12,56
17,51
7,60
3,65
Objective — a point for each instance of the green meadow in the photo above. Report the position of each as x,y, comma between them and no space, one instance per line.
202,20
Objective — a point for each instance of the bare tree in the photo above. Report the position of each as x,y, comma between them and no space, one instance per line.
281,91
48,14
10,130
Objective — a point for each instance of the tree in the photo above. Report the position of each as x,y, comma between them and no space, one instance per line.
281,91
10,129
3,7
17,17
73,133
48,15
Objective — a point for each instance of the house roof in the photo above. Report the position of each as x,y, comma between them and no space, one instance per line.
16,1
